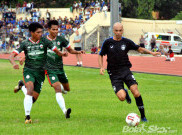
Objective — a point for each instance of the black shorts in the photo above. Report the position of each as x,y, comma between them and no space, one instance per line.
121,76
78,48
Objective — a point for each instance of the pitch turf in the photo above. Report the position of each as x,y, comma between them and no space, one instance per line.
95,108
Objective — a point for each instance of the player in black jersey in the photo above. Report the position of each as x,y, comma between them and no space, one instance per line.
118,65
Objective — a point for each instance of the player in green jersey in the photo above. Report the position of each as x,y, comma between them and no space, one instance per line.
54,67
35,49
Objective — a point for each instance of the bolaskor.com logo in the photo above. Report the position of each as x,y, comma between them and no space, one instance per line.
152,129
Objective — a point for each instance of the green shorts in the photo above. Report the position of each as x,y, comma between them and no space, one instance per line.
35,76
56,76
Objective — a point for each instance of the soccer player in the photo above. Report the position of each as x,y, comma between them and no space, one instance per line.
118,66
55,72
35,49
54,67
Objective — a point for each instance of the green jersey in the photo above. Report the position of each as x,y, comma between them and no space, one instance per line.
35,52
53,60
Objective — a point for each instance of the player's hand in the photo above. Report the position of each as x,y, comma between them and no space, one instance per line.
64,54
16,66
82,52
21,61
156,54
102,70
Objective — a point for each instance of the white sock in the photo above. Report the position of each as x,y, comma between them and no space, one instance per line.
62,89
27,104
78,63
24,89
61,102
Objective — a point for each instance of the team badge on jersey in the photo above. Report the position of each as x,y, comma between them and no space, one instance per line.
53,78
41,46
58,43
27,76
123,47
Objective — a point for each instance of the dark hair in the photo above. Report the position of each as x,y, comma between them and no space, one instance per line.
34,26
52,22
169,46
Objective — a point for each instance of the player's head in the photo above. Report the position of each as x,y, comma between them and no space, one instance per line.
36,30
118,30
169,47
53,27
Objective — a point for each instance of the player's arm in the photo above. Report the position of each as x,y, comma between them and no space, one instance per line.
100,60
59,53
12,60
72,51
102,52
143,50
51,46
22,60
14,54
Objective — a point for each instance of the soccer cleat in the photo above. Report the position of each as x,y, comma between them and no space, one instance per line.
128,99
28,119
144,119
67,114
19,86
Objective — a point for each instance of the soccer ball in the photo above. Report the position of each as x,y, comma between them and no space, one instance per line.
132,119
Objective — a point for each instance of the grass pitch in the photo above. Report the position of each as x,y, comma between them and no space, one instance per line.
95,108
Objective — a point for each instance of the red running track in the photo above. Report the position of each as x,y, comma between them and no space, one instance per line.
144,64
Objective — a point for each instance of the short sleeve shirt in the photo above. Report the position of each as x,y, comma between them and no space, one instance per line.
35,52
53,60
116,52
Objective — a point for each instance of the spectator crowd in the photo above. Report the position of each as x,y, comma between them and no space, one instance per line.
13,30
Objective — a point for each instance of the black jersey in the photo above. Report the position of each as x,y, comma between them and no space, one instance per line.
116,52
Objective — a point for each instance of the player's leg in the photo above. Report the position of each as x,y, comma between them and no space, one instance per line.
133,86
29,80
22,87
118,86
28,101
64,82
65,86
54,82
33,82
122,94
139,101
60,99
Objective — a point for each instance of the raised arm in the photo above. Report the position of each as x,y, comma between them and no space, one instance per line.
143,50
59,53
72,51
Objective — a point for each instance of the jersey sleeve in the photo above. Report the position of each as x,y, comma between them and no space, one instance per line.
50,45
20,49
132,45
103,50
65,43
